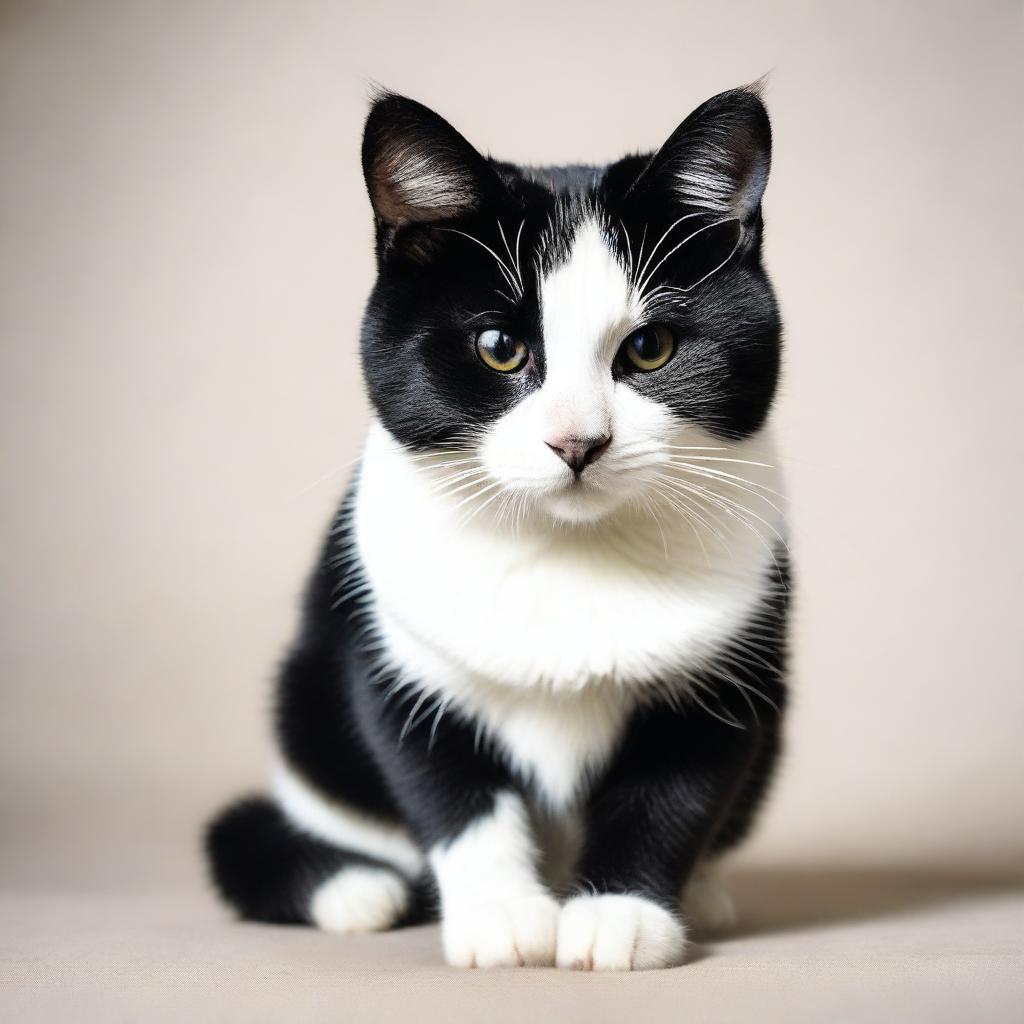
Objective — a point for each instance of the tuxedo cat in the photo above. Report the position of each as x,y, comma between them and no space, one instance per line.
538,684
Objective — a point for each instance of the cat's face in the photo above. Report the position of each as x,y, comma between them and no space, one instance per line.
561,334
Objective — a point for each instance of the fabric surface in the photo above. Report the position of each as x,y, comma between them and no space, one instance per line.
845,946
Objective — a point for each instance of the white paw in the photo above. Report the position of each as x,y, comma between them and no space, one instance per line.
618,933
359,899
503,933
708,903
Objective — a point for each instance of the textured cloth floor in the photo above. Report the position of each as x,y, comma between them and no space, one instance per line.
812,946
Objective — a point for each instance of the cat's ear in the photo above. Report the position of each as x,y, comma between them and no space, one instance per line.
717,159
418,168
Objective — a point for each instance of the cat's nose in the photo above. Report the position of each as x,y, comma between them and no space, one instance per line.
579,452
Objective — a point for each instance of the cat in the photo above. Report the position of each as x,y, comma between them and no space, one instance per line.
539,681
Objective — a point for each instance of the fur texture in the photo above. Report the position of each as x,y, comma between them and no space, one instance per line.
538,684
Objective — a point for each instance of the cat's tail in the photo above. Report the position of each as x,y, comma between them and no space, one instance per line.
269,870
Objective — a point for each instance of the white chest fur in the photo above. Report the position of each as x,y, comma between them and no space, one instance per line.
546,636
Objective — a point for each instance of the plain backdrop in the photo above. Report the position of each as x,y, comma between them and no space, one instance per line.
185,247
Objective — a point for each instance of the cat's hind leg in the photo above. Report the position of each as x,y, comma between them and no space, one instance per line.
305,859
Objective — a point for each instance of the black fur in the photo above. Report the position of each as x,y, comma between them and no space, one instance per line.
688,776
686,781
425,308
268,869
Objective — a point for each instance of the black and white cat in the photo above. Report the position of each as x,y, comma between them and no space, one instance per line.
538,682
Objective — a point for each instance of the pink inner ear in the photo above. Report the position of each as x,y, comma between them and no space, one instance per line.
418,167
408,184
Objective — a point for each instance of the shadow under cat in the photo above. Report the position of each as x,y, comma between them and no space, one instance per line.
786,899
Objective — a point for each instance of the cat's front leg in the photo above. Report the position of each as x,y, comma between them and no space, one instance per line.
495,910
647,825
469,818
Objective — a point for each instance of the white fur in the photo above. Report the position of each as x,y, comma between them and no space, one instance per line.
626,600
342,826
359,899
557,740
588,307
484,587
707,180
545,608
546,635
423,181
590,303
495,910
704,181
560,740
614,932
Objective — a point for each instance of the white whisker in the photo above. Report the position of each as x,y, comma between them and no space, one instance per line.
657,244
506,272
707,227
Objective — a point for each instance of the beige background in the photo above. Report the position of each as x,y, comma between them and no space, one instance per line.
185,252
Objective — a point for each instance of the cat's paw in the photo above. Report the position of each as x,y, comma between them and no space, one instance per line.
503,933
614,932
359,899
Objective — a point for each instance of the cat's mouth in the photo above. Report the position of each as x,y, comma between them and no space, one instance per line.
581,499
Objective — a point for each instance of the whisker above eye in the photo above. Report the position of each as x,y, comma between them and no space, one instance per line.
668,230
505,270
707,227
629,252
514,260
519,272
640,256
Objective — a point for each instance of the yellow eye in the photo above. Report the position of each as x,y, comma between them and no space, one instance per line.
649,348
501,352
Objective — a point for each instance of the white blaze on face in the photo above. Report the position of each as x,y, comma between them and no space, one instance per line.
586,311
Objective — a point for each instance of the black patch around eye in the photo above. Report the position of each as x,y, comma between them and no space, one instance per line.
424,373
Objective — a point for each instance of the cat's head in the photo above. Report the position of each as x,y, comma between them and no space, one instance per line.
565,331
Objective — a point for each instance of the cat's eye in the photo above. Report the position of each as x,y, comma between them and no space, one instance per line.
500,351
649,348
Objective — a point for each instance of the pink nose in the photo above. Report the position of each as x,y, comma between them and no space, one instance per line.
579,452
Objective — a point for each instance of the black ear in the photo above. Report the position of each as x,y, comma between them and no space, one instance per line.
718,159
418,168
